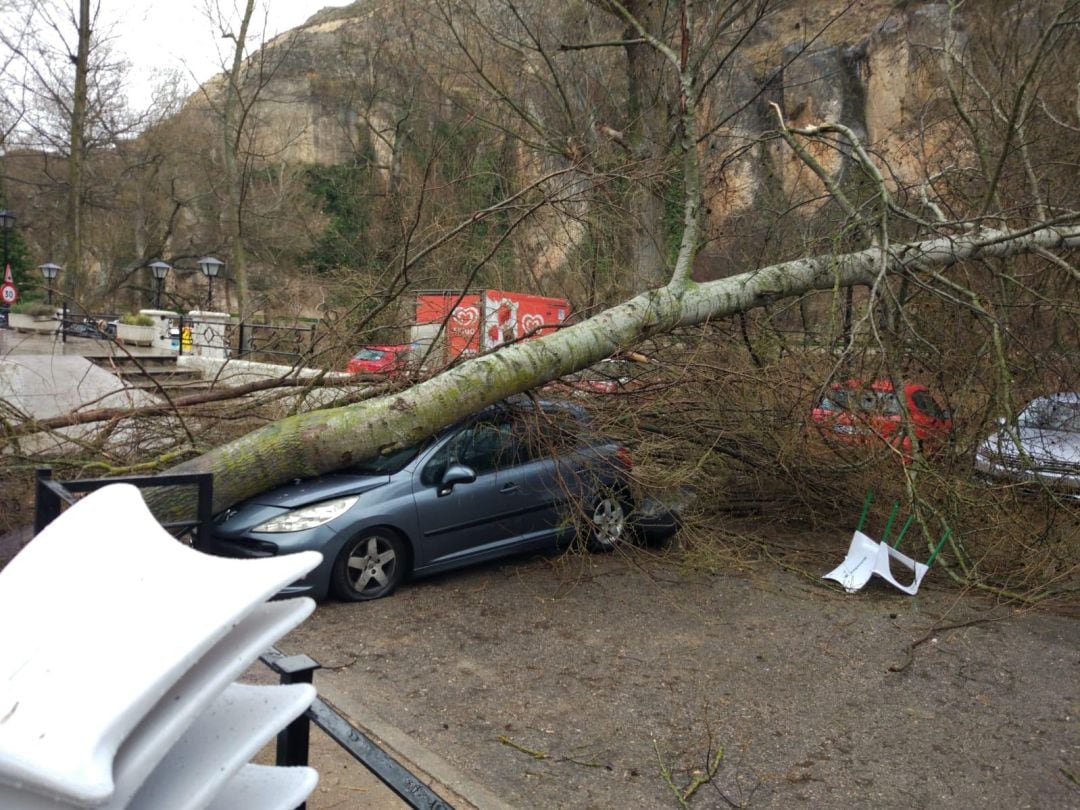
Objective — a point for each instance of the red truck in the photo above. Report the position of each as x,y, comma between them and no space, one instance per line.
454,324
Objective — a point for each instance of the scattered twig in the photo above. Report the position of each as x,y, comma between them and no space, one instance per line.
534,754
909,652
683,795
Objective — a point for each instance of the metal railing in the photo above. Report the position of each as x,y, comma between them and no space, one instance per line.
50,495
292,743
93,325
269,341
251,341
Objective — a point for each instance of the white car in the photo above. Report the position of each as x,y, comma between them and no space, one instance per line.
1043,447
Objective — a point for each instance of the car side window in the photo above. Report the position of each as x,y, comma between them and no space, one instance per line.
1063,416
889,404
483,446
544,434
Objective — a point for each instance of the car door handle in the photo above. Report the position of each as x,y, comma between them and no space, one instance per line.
509,489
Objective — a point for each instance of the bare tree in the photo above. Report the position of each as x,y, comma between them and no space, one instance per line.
956,245
308,444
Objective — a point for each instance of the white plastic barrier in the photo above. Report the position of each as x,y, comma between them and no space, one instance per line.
117,665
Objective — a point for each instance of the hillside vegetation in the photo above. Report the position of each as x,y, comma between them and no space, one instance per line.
890,157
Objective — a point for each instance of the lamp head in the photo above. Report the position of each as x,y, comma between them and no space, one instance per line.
210,266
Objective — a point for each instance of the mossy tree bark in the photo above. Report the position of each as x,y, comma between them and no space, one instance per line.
322,441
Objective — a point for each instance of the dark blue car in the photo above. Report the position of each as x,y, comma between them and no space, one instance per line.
516,477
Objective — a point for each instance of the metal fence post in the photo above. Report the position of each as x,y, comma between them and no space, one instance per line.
205,512
292,741
46,502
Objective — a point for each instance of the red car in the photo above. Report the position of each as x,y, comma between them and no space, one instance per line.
860,413
390,359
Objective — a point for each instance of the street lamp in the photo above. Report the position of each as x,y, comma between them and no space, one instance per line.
7,222
210,268
49,270
160,270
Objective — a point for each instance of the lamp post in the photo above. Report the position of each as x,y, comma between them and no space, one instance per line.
7,222
160,269
49,271
9,292
210,268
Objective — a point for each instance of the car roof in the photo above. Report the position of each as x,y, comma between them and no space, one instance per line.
1067,397
881,384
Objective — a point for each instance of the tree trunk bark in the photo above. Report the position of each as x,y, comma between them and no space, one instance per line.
233,132
322,441
77,154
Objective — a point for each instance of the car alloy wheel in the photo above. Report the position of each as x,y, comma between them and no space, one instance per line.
370,566
608,522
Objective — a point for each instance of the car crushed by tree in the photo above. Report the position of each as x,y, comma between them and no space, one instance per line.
519,476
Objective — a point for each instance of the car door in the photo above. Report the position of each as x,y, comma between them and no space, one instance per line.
541,476
469,519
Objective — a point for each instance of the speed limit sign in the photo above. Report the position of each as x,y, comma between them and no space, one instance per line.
8,294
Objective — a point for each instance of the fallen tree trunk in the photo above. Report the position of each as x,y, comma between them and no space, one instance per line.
322,441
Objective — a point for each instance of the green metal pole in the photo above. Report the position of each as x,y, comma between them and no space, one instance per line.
865,509
892,517
941,543
903,531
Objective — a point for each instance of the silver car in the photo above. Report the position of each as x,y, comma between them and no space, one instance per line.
516,477
1042,448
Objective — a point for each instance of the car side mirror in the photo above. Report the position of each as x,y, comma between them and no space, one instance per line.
456,474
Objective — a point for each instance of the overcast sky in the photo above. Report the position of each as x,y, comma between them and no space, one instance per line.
165,34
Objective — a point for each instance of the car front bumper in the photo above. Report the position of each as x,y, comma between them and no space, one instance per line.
316,584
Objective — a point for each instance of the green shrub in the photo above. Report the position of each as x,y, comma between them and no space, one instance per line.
136,319
35,309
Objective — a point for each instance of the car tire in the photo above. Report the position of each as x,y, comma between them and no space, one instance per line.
608,521
369,566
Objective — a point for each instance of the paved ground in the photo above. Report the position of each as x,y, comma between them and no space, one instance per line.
592,682
602,682
13,342
43,376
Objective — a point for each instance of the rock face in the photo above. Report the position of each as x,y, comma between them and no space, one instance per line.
343,84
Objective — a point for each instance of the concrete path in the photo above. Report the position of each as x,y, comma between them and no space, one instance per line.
41,377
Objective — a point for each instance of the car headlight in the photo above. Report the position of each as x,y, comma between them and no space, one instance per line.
308,517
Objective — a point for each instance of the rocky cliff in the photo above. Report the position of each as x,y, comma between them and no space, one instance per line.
350,81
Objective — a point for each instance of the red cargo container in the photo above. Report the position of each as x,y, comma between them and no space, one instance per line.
477,322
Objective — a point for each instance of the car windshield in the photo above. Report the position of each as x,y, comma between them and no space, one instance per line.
369,354
1051,414
388,463
887,403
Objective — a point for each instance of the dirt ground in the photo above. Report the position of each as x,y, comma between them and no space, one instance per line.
622,681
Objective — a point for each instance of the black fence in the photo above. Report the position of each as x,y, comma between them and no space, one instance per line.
293,742
77,323
50,496
269,343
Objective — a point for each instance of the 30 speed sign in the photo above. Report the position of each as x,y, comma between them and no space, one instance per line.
8,294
